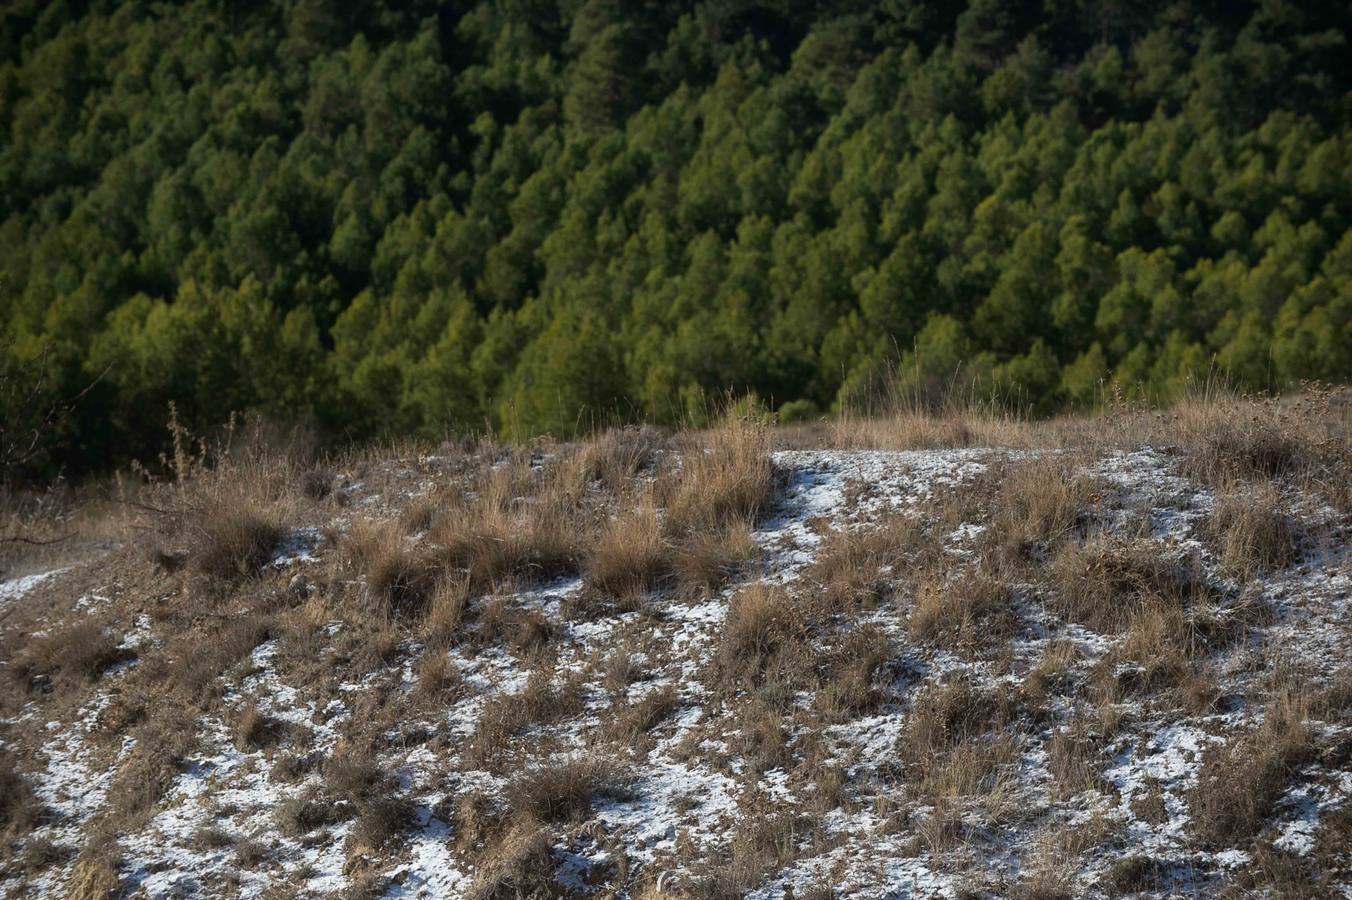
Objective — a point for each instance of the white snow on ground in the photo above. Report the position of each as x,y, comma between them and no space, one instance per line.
16,588
680,802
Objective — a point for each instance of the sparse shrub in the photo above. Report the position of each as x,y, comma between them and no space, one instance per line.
974,609
1103,582
730,480
1241,782
1253,532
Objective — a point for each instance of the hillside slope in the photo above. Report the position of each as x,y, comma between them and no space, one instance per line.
701,668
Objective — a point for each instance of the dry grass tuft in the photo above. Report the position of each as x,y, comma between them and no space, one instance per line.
1241,782
729,481
20,809
236,517
631,556
1041,503
644,715
379,821
1253,532
75,653
618,456
445,612
1103,582
706,561
1075,758
400,579
521,864
562,791
945,715
255,730
506,715
437,677
94,878
852,566
973,610
520,525
761,618
849,690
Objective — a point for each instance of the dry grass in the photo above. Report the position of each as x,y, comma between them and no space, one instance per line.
1240,783
855,660
20,809
562,791
761,618
234,537
1253,532
75,653
631,556
503,717
94,878
1041,503
400,578
703,562
1105,581
973,610
644,715
445,613
437,677
1075,759
254,730
945,715
520,864
617,457
850,565
379,821
518,525
727,481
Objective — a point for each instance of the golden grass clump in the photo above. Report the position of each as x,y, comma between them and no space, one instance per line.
400,578
760,618
1253,532
853,566
1040,503
631,556
519,525
730,480
562,791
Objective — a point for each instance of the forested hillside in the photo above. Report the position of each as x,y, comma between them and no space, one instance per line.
534,216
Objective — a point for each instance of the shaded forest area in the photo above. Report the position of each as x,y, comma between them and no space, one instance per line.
528,216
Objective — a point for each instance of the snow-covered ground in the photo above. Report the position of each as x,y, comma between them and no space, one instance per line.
689,787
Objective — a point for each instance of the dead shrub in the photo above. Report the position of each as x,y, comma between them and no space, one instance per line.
730,480
1103,582
1252,532
562,791
973,610
1240,783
